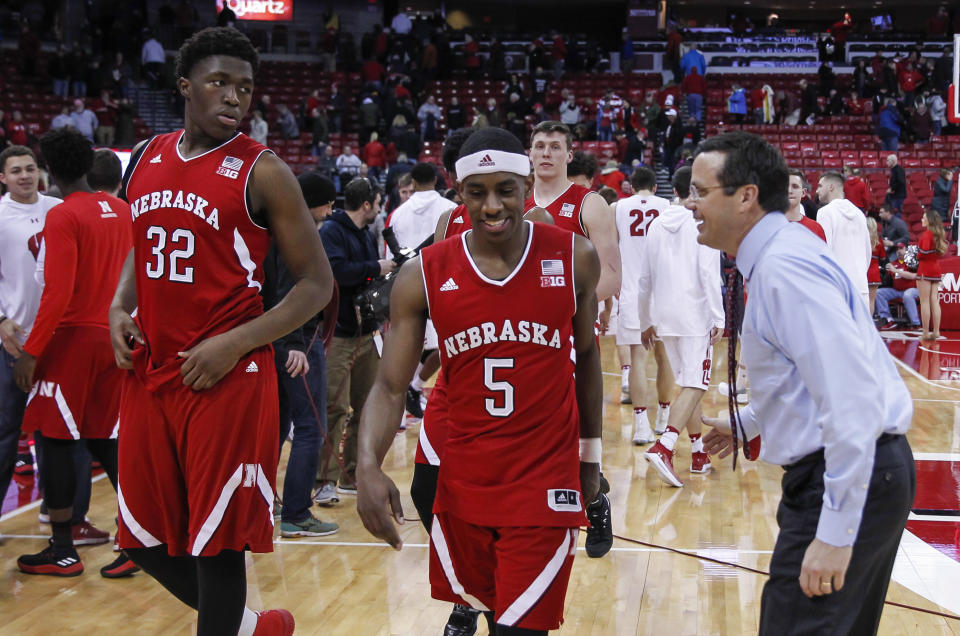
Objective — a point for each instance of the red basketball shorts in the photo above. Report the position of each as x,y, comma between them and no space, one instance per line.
520,573
433,428
198,469
76,390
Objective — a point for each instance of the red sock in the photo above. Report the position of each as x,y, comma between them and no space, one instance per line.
664,405
639,409
624,367
694,436
670,429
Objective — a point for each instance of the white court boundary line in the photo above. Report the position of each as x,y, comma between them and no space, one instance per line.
917,375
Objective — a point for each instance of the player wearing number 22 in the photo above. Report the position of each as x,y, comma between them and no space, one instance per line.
198,417
507,299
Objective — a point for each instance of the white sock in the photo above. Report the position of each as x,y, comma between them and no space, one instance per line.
669,439
249,623
640,417
417,383
696,446
625,372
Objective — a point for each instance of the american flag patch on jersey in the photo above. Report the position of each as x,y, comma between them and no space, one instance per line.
232,163
551,267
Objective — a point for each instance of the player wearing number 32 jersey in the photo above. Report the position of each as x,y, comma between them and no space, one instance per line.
198,444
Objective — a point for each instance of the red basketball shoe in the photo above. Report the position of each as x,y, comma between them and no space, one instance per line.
699,463
662,459
278,622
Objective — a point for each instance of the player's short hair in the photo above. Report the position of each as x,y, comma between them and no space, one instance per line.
359,191
14,151
643,178
681,181
551,126
797,172
583,163
609,194
451,148
67,153
832,176
424,173
215,41
750,159
106,172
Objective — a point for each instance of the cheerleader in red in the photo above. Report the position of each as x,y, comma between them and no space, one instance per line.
932,245
879,252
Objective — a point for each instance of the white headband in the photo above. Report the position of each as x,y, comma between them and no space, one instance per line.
486,161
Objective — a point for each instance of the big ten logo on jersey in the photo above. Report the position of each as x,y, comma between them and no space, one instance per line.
230,167
567,210
551,273
106,212
563,500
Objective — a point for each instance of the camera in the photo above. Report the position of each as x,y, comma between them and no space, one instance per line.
372,303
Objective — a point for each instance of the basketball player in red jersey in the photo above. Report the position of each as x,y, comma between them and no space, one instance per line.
198,415
506,299
67,364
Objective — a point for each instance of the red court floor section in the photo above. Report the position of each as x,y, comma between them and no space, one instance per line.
23,490
934,360
938,485
944,536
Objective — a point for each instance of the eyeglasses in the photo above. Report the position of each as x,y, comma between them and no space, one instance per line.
698,193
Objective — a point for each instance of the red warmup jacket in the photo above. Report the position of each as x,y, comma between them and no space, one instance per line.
694,83
855,191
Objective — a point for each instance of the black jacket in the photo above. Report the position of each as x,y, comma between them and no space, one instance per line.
898,182
352,252
896,231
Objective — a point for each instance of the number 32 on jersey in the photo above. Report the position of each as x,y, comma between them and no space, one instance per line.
177,271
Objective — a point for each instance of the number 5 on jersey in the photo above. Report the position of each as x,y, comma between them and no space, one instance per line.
501,387
178,272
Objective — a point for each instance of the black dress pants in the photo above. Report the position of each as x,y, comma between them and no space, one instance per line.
857,607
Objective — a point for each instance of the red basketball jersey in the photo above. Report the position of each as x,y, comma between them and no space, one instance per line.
565,209
458,222
198,253
511,456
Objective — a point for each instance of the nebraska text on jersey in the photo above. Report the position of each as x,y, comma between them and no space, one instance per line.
489,333
188,202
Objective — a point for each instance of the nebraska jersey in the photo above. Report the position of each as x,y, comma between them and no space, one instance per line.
198,253
511,456
566,209
458,222
87,239
633,215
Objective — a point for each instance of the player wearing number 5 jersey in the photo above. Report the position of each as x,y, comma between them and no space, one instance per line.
506,299
198,416
634,215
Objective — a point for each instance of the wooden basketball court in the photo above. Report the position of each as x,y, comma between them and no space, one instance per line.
349,584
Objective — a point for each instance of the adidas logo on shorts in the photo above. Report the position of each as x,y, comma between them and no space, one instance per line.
449,285
252,367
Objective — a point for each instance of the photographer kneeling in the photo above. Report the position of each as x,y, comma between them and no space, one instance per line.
353,358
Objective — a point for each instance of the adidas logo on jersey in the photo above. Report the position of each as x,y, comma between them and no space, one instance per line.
155,159
563,500
252,367
450,285
486,161
459,220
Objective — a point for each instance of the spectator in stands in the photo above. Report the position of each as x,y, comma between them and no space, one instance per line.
673,52
904,287
77,67
835,105
611,175
941,195
943,68
626,52
59,72
121,77
909,79
938,111
28,50
672,139
471,54
152,59
828,79
479,119
582,169
335,107
626,189
429,115
373,73
265,106
570,111
853,104
375,156
369,116
327,165
558,55
348,165
492,113
897,190
894,229
636,148
287,123
63,119
840,30
402,166
939,23
16,130
456,115
105,108
737,103
694,86
861,78
693,59
317,123
888,125
259,128
125,115
921,123
809,109
854,189
515,112
404,139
